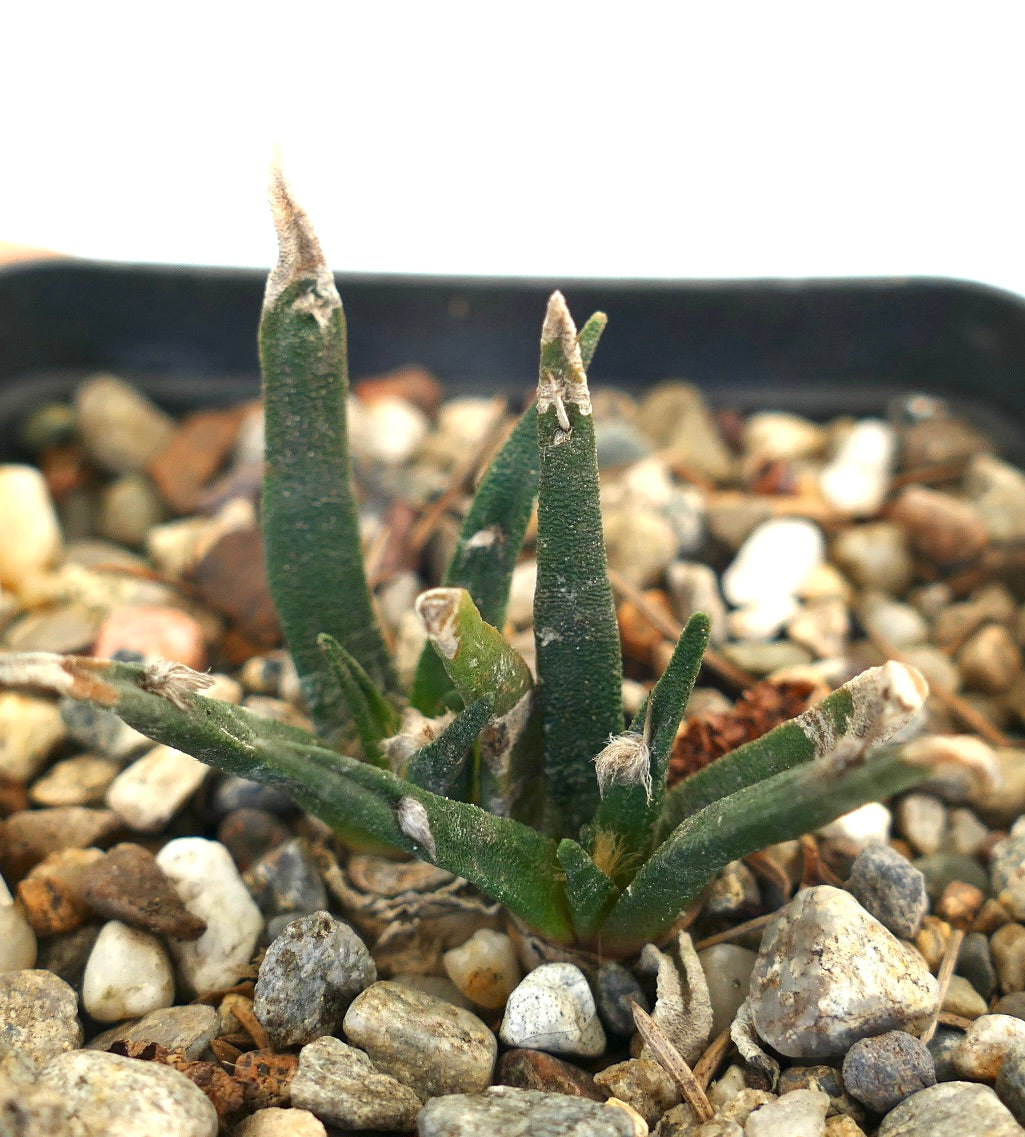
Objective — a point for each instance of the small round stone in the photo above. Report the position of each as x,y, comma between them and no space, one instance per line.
515,1112
119,427
950,1109
962,999
727,969
286,879
875,555
108,1094
153,788
990,661
155,632
38,1014
127,976
278,1122
82,780
32,536
986,1044
309,976
553,1009
340,1085
882,1071
643,1084
428,1044
615,987
1010,1083
17,940
484,968
30,729
975,963
890,888
922,819
776,558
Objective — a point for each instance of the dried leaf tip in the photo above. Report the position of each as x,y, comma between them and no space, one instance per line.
561,379
174,682
624,762
299,254
438,609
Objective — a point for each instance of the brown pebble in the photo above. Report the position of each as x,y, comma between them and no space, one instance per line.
640,639
67,954
960,903
413,384
231,578
990,660
266,1077
249,833
992,915
13,795
129,885
943,529
535,1070
28,836
195,452
50,905
153,630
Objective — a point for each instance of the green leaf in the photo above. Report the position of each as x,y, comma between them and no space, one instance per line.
865,712
444,766
373,714
579,665
780,808
590,892
631,806
309,516
588,337
489,543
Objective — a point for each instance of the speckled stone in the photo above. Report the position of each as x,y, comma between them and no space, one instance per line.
1010,1083
286,879
309,976
828,974
553,1009
986,1044
187,1029
641,1083
38,1014
428,1044
521,1113
951,1109
883,1070
800,1113
890,888
278,1122
107,1094
536,1070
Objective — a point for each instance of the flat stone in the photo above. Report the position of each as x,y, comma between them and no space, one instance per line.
208,883
38,1015
188,1030
521,1113
82,780
536,1070
30,730
340,1085
27,837
828,974
193,453
943,529
128,974
154,787
553,1009
231,578
951,1109
107,1094
277,1122
428,1044
129,885
883,1070
309,976
615,987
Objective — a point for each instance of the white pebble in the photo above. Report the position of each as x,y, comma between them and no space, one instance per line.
863,826
127,976
387,430
980,1054
762,620
31,533
209,884
775,559
153,788
553,1009
800,1113
17,940
484,968
858,478
520,612
30,728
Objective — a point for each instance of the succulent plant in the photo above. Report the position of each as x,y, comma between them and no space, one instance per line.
534,789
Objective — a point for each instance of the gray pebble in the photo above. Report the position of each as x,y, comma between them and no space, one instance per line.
107,1094
521,1113
975,963
38,1014
941,869
553,1009
66,955
643,1084
1007,873
286,879
619,443
428,1044
942,1046
1007,946
883,1070
951,1109
340,1085
1010,1083
1013,1004
890,888
308,978
828,974
614,988
189,1029
120,429
102,731
986,1044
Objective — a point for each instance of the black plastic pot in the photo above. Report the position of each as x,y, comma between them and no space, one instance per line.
188,337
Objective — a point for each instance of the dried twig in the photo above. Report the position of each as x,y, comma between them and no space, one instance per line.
712,1058
737,932
943,977
670,1059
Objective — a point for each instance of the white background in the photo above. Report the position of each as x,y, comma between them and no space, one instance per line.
677,140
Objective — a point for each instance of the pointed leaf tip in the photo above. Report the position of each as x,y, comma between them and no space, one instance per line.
300,256
561,379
